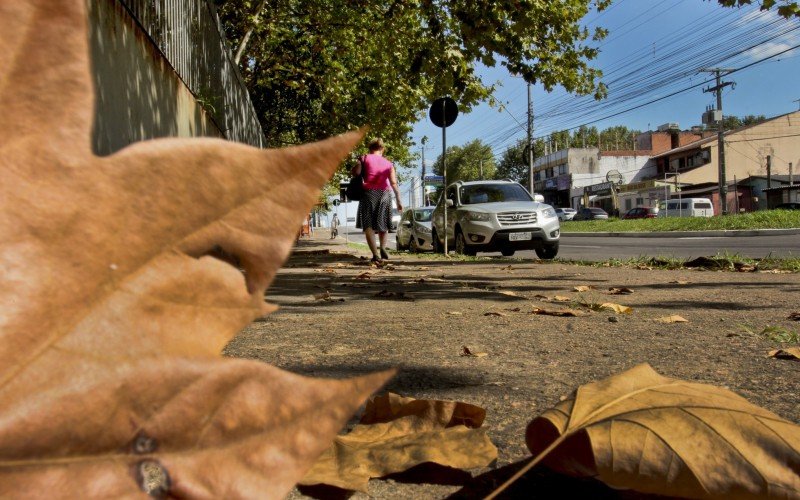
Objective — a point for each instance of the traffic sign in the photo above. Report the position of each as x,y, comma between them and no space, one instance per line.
443,112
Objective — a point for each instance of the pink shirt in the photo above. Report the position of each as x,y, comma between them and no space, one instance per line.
376,172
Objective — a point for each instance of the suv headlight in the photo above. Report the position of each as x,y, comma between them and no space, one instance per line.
549,213
481,216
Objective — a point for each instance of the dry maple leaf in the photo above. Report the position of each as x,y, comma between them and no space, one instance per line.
643,431
673,318
397,433
558,312
116,301
791,353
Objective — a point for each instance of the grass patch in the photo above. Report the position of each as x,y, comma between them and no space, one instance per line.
777,334
720,262
763,219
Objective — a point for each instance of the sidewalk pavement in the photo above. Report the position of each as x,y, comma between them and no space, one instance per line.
320,242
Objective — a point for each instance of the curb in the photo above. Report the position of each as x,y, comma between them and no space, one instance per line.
722,233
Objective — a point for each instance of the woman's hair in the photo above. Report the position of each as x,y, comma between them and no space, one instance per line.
375,144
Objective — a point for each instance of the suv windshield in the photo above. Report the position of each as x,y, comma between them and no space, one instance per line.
490,193
423,215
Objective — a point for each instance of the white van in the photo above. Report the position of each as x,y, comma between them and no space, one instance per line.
687,207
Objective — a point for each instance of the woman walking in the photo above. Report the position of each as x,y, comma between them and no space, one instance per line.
375,207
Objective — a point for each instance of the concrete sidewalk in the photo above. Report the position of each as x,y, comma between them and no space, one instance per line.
320,242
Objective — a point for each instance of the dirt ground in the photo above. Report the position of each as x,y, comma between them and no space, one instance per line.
419,312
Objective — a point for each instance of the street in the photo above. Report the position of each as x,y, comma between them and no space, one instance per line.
603,248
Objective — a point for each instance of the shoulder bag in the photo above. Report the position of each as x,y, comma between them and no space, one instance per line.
355,189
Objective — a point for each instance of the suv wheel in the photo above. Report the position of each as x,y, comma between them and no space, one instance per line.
461,245
548,252
437,245
507,252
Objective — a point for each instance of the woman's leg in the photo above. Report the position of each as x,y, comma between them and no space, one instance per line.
370,234
382,238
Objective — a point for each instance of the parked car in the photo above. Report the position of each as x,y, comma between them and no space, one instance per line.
792,205
491,216
396,215
590,213
641,213
687,207
414,230
565,213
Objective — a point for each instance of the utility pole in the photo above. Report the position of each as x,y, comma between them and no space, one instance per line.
424,141
723,187
530,140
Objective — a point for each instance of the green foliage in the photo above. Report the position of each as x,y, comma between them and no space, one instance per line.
317,68
465,163
763,219
786,8
513,166
777,334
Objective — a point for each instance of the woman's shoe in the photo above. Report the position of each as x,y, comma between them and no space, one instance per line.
375,260
384,255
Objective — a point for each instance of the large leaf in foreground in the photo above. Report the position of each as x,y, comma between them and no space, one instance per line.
114,307
397,433
639,430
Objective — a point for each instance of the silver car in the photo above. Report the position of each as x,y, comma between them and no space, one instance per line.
491,216
414,230
565,213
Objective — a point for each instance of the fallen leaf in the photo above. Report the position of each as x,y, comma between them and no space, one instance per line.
455,313
672,319
386,294
507,268
122,284
326,295
620,291
743,268
398,433
795,316
642,431
466,351
363,276
326,270
560,298
617,308
513,309
558,312
583,288
792,353
541,297
509,293
495,313
679,282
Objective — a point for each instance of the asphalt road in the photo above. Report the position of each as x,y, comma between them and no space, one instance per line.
604,248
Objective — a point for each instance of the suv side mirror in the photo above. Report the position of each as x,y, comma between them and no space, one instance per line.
449,203
538,198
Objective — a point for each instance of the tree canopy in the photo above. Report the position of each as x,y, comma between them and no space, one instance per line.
471,162
319,67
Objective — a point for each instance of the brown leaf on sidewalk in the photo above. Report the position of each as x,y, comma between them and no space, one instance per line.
792,353
386,294
616,308
620,291
795,316
326,295
744,268
122,282
641,431
509,293
472,352
558,312
674,318
560,298
398,433
455,313
495,313
679,282
583,288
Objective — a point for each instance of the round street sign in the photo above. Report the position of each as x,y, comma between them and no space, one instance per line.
443,112
615,177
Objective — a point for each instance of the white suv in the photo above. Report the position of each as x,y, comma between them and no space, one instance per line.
491,216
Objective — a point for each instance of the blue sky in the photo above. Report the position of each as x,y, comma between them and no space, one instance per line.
654,48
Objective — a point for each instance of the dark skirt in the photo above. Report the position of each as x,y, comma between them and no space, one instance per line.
375,210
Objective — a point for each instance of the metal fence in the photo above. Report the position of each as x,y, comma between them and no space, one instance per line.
189,35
